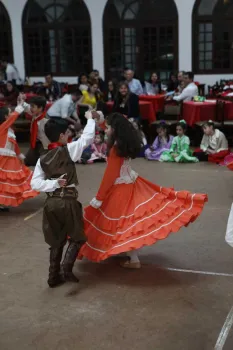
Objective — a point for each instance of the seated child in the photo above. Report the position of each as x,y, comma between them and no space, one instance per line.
55,174
180,151
214,145
138,127
161,144
99,149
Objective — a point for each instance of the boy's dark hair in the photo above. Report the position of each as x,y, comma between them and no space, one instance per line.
49,73
76,92
4,111
209,123
54,128
190,75
38,101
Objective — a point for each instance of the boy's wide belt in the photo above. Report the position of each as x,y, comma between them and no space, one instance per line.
65,192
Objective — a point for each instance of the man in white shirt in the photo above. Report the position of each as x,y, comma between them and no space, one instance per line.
11,72
134,84
190,89
66,108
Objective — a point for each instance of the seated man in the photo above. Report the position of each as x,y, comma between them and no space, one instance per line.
52,88
66,108
134,84
190,89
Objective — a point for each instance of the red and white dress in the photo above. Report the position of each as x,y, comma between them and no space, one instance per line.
98,151
130,212
15,177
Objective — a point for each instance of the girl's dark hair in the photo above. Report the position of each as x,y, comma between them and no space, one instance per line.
101,134
4,111
97,94
182,124
150,80
124,136
118,94
7,93
165,127
209,123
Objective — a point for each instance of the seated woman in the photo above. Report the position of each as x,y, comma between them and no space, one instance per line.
11,94
110,93
173,83
83,82
180,151
161,144
90,97
214,145
126,102
153,86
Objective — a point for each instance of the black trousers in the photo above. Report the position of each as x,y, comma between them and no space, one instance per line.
33,154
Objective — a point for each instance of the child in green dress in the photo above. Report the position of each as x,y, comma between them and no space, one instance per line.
180,149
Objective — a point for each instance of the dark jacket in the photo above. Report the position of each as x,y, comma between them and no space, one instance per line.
130,109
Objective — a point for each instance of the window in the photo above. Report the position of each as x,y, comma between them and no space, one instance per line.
5,35
57,37
213,36
141,37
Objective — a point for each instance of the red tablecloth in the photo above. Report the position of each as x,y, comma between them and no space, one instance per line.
157,101
146,110
194,112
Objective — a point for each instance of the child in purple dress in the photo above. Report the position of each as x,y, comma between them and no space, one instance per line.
162,143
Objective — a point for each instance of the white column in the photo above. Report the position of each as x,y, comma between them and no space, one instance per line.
96,10
15,11
185,9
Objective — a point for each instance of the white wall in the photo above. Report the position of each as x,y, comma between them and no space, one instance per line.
15,11
96,9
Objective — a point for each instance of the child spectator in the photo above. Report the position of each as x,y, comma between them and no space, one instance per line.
180,149
161,144
99,149
214,145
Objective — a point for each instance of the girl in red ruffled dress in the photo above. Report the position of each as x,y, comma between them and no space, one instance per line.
15,177
130,212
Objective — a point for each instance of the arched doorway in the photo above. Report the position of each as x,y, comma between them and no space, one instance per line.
5,35
213,36
57,37
141,36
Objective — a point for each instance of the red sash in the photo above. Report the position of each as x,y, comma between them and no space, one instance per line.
34,129
54,145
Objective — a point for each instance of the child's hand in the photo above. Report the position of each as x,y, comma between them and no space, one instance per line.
62,182
88,115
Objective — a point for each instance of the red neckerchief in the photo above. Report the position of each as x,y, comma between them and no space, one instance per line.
34,129
54,145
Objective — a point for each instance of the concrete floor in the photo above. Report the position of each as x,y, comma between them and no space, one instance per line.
110,309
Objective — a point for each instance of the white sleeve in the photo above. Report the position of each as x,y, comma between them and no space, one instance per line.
76,148
27,108
140,89
64,109
38,182
185,94
75,114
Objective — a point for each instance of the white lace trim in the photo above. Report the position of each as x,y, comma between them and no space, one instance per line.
11,134
19,109
95,203
7,152
127,175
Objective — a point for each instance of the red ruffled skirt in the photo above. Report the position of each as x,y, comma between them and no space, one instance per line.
15,180
136,215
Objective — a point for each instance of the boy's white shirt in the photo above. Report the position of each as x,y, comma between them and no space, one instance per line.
75,149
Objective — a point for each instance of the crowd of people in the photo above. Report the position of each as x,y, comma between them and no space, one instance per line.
62,136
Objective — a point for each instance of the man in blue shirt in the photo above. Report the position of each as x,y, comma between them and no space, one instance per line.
134,84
